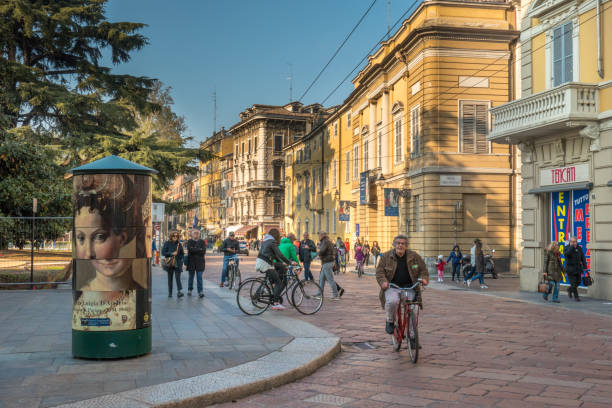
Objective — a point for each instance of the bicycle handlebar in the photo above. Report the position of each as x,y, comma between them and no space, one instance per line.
418,283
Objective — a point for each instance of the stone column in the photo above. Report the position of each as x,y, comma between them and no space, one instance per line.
372,136
385,131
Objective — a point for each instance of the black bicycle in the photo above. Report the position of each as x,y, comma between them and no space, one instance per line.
233,274
255,294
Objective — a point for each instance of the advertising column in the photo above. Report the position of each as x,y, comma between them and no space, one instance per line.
111,286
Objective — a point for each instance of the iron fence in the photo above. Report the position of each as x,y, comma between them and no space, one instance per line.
35,251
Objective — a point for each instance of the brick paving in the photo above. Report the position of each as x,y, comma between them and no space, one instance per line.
191,336
478,351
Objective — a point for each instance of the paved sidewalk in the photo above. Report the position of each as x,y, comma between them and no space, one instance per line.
191,336
478,351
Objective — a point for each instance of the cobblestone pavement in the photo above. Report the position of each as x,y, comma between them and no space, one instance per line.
191,337
478,351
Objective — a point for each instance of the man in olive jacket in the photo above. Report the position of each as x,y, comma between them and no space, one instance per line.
403,268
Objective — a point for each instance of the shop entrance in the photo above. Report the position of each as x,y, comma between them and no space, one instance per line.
570,216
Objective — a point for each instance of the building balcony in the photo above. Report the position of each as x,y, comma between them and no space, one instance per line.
568,105
265,184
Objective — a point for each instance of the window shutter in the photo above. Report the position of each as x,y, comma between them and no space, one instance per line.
567,53
481,129
467,127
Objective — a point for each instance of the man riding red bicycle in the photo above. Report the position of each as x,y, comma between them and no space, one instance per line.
403,268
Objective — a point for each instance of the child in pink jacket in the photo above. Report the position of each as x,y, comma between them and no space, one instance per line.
440,265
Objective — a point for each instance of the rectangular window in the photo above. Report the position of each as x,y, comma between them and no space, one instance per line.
255,147
326,221
563,64
326,177
415,130
298,195
475,212
334,174
474,127
366,152
288,159
236,151
355,162
277,173
348,120
242,147
278,143
306,226
336,129
314,217
347,167
399,140
249,146
278,207
380,137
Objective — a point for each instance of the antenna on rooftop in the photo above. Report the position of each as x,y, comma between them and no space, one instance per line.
290,81
215,110
388,18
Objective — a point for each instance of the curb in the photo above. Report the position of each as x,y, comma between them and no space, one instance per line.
310,349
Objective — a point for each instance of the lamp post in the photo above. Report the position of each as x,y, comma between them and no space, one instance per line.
457,207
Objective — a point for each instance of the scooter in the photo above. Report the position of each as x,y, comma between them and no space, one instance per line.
490,264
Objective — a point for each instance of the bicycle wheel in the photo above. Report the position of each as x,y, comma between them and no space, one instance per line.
237,277
307,297
254,296
231,276
289,290
413,352
359,271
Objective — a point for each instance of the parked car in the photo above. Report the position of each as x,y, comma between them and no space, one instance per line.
244,248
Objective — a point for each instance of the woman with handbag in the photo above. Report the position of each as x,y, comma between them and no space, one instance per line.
553,269
173,254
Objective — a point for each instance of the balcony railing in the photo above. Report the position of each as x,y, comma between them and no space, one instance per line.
542,112
267,184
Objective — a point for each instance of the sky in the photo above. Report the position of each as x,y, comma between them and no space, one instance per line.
245,50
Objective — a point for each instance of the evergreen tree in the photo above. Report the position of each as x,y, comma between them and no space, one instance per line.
57,97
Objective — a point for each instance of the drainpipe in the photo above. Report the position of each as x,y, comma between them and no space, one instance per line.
599,56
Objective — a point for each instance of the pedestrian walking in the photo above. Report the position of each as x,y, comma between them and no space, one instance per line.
440,264
327,256
347,248
173,253
456,259
479,266
196,251
308,250
575,264
553,270
376,252
472,262
287,248
366,253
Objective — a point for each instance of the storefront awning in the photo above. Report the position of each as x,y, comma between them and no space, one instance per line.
233,228
244,230
585,185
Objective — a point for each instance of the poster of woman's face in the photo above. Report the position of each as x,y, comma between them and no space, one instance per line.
115,274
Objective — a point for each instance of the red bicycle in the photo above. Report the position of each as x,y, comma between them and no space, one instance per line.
408,320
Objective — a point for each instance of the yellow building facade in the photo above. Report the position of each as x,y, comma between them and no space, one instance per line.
563,126
311,181
211,212
412,151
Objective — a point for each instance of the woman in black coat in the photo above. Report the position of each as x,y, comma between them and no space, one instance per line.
174,249
196,249
575,263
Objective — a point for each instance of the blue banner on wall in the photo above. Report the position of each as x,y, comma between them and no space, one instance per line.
391,202
364,194
582,223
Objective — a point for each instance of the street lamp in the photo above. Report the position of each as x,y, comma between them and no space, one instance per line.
457,209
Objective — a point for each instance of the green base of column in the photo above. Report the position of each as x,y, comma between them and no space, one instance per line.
113,344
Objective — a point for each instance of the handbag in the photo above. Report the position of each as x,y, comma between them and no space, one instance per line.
543,286
168,263
587,280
